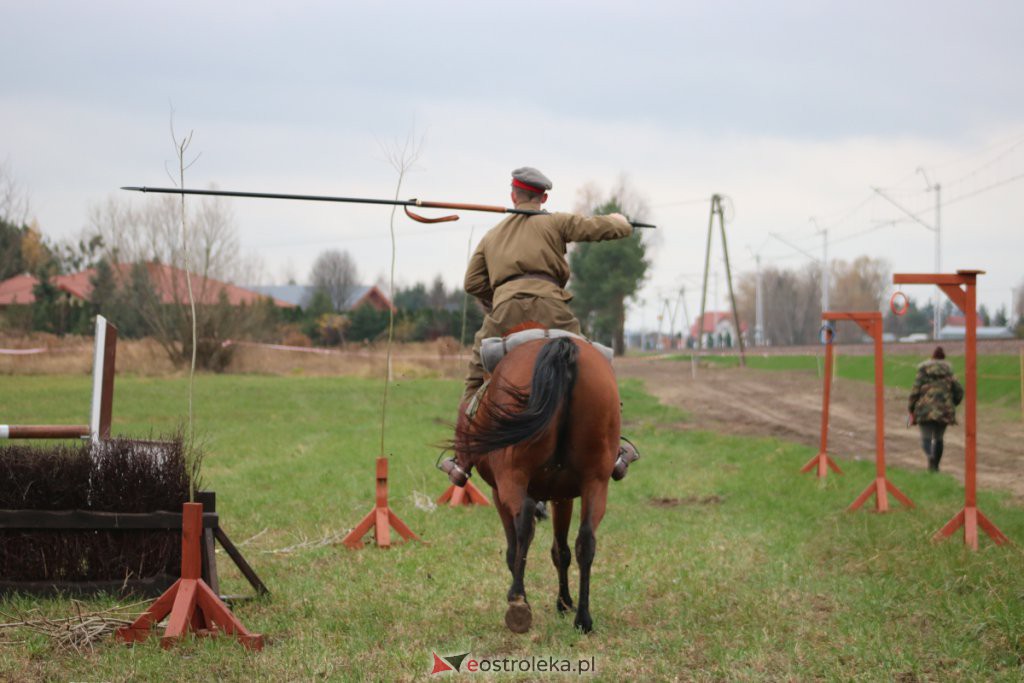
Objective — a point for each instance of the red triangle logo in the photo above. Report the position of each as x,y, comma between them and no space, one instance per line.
440,665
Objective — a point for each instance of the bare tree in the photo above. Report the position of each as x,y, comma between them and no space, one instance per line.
334,272
859,285
625,196
150,233
792,304
14,200
1018,309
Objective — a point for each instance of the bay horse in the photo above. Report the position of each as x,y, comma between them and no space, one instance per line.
547,429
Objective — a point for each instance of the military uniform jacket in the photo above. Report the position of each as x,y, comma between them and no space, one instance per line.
533,245
936,394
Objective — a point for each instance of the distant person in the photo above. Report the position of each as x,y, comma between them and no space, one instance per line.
933,402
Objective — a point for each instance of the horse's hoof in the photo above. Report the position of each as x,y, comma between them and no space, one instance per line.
583,623
519,616
564,606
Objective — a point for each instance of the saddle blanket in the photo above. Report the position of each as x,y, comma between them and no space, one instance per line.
493,349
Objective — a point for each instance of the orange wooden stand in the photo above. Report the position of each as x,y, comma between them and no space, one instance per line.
821,461
871,322
462,495
970,517
191,603
381,517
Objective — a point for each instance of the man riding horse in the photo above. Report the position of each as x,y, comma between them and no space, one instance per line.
519,272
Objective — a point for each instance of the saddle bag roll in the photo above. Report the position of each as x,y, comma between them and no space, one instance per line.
493,349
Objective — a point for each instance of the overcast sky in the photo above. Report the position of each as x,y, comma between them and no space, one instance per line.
793,110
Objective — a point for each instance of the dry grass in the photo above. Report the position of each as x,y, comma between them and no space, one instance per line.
73,356
144,357
409,361
77,633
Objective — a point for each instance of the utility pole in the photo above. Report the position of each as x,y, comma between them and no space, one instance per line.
824,270
686,321
937,229
824,265
758,305
716,210
759,335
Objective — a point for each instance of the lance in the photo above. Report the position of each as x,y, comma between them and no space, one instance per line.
405,204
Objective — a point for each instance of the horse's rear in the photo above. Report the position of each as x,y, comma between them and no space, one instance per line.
547,429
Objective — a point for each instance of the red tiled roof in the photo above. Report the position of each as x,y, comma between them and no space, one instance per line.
711,321
960,320
169,283
17,290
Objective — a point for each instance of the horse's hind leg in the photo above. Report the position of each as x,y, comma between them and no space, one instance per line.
561,514
519,617
595,494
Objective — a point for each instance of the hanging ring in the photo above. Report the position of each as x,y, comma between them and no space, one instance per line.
899,309
827,334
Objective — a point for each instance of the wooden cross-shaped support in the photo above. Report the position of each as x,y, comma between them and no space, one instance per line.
190,602
381,518
961,289
462,495
871,323
821,461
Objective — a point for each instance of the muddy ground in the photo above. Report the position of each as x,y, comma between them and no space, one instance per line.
787,405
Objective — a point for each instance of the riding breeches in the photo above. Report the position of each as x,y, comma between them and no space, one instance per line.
554,314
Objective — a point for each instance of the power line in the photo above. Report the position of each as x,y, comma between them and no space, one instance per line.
983,189
992,161
684,202
917,215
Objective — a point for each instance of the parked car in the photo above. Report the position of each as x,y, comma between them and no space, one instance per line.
916,337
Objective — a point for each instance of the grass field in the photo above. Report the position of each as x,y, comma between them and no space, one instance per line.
998,375
717,560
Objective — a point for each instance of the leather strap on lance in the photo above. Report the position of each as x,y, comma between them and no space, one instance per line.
423,219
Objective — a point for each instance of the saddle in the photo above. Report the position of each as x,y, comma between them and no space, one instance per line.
493,349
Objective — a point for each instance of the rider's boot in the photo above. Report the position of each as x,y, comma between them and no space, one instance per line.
457,474
628,453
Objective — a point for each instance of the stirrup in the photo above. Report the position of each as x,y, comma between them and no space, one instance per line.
456,474
628,452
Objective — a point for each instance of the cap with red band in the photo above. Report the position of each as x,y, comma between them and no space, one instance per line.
529,188
530,179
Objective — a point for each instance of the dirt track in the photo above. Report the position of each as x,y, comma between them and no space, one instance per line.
787,405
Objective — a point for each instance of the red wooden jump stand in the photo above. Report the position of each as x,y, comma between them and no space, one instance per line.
462,495
191,603
871,323
381,518
961,290
821,461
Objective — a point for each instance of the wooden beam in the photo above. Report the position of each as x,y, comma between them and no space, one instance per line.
84,519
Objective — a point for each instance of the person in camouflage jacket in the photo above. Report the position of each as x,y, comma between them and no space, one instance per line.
933,402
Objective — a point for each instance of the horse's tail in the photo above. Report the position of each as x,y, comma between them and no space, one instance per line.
554,375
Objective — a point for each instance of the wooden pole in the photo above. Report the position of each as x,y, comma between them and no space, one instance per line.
821,461
728,279
381,518
880,487
704,287
190,605
961,288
